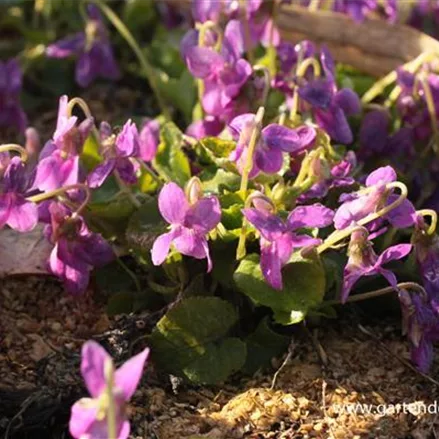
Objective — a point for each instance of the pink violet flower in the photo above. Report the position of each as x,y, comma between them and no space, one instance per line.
117,151
89,415
273,141
358,205
59,160
77,250
15,211
149,139
191,218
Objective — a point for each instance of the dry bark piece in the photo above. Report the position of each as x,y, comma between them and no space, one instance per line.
23,253
374,47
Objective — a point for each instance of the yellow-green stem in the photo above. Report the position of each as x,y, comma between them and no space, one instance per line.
149,171
432,112
305,64
86,110
248,166
247,33
17,148
267,81
62,191
433,215
391,77
124,188
380,292
146,66
241,251
339,235
111,413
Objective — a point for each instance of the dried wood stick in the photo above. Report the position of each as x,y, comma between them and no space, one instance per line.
374,47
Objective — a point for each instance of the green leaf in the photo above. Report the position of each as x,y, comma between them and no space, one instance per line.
90,156
113,279
218,147
170,161
138,14
263,345
218,362
304,287
220,180
144,226
110,216
191,337
120,303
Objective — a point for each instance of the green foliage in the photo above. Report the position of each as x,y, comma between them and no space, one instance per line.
171,162
218,147
90,155
144,226
304,287
263,345
191,340
109,209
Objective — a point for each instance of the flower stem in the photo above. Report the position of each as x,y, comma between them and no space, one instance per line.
111,413
267,81
250,152
314,5
61,191
17,148
86,110
126,190
130,273
149,171
339,235
309,62
247,32
241,251
432,112
377,293
146,66
391,77
433,215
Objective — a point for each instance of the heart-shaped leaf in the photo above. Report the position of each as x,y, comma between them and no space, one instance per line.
304,287
190,340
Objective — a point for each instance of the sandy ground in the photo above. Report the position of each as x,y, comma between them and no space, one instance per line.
341,381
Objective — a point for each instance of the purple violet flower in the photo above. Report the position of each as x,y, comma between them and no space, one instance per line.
273,141
376,141
77,250
117,151
427,256
11,112
89,415
330,107
363,261
59,159
357,9
224,73
209,126
261,25
358,205
421,324
191,218
279,239
93,49
340,176
15,210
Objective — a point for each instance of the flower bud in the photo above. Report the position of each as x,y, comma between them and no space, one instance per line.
194,190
